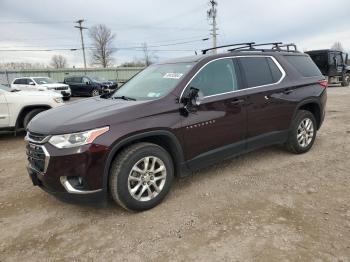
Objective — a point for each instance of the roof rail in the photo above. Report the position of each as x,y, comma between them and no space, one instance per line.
276,47
249,44
288,46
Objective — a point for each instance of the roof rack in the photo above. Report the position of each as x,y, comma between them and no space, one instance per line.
276,47
288,46
249,44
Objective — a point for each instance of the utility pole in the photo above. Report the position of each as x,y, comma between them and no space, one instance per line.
211,13
81,28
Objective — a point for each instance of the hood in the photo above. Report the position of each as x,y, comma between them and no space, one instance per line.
83,115
54,85
37,93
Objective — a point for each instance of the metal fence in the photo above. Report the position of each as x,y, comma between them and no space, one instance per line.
121,74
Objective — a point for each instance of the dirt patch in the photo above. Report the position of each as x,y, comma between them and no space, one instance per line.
268,205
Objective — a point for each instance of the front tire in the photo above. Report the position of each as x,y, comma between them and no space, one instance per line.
141,176
95,92
30,115
303,132
346,80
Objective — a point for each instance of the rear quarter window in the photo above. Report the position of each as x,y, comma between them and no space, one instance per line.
304,65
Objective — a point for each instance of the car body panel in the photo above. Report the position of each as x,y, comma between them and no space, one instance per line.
32,85
15,102
222,126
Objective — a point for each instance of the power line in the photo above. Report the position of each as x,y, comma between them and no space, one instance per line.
36,22
38,50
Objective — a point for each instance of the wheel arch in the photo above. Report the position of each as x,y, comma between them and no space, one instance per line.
25,110
163,138
313,106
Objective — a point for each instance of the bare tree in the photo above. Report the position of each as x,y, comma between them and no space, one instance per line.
149,56
102,38
338,46
58,61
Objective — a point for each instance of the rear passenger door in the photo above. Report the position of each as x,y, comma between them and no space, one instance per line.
268,112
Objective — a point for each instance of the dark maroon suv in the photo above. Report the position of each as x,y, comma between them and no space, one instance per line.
173,118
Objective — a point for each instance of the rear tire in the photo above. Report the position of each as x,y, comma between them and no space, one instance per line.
346,80
67,98
138,184
303,132
29,116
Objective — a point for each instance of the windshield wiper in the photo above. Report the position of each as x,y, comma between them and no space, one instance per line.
125,98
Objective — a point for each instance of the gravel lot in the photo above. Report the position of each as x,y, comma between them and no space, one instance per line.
268,205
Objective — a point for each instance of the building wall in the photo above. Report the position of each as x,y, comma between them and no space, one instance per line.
121,74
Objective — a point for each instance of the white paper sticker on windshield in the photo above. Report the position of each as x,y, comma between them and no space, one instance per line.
173,75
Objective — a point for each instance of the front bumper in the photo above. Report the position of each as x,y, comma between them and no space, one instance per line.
57,170
99,197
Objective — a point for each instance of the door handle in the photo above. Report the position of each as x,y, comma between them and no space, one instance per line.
237,101
288,91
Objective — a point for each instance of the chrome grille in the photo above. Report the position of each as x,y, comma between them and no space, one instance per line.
36,138
36,157
61,88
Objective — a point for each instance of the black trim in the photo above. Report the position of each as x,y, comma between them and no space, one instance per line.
179,162
305,102
229,151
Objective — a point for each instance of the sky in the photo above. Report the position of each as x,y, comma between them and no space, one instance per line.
170,28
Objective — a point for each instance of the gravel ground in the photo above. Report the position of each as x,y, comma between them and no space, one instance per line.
268,205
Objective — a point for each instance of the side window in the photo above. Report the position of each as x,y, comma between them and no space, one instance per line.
77,80
85,80
17,82
275,71
260,71
216,78
304,65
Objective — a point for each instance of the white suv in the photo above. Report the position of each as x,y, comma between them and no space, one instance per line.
41,84
17,108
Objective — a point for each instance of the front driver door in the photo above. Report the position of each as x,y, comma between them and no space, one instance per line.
218,128
4,112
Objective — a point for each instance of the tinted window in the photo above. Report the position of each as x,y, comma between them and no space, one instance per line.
304,65
17,81
275,71
258,71
216,78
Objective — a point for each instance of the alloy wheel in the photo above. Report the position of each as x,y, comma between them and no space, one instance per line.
95,92
305,132
147,178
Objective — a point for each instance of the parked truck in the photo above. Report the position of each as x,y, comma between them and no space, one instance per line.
333,64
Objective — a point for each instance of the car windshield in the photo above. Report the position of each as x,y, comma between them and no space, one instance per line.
5,88
44,80
154,82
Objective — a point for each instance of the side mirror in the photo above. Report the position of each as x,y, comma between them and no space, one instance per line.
87,83
192,100
32,83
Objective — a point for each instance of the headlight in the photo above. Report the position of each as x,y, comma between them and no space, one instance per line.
58,100
77,139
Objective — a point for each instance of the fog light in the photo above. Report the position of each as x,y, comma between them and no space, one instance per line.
76,181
